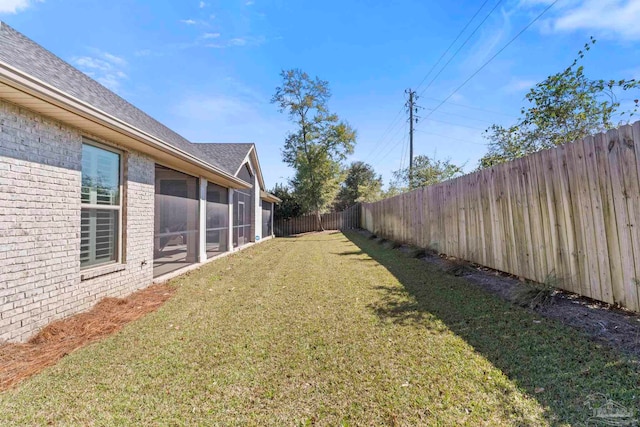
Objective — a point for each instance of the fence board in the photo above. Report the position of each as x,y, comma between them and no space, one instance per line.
630,197
601,252
570,212
577,221
346,220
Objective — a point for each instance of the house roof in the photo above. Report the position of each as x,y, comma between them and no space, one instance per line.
234,155
26,55
23,55
270,197
229,157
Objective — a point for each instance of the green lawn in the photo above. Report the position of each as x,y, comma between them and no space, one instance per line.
327,329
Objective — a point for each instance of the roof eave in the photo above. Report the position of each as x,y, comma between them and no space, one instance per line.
253,156
58,105
264,195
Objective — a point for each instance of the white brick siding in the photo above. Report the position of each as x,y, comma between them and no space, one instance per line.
40,277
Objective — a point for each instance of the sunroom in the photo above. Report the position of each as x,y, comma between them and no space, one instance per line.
192,220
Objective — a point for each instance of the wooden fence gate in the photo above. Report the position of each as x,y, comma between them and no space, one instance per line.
345,220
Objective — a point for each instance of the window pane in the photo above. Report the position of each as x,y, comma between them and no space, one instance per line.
100,176
98,236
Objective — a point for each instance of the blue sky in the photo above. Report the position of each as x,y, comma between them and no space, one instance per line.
208,69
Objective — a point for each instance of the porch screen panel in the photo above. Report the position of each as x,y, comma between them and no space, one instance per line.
242,209
267,212
176,220
217,222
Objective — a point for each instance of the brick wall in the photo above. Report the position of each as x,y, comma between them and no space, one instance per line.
40,276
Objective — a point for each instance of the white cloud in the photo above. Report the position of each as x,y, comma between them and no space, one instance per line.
458,97
631,73
238,41
221,114
104,67
519,85
249,2
230,103
114,59
535,2
14,6
188,21
610,18
210,35
248,41
490,38
202,5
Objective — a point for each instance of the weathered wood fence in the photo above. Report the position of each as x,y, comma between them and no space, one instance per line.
345,220
571,212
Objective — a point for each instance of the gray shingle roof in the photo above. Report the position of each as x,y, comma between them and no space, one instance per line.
27,56
228,157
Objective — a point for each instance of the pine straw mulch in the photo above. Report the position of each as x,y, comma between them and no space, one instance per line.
20,361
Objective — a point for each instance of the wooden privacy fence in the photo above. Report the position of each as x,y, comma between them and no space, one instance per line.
345,220
569,213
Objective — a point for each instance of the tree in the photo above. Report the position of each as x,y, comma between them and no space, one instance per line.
426,171
289,207
319,144
360,185
565,107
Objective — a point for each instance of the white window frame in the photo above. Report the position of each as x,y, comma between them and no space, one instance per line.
83,206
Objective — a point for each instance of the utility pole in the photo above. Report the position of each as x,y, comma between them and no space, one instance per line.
412,110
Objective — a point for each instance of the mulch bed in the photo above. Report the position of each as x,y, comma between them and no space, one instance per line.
20,361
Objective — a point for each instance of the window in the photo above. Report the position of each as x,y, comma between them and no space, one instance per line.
101,214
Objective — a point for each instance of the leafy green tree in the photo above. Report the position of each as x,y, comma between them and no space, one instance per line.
319,144
289,207
565,107
426,171
361,184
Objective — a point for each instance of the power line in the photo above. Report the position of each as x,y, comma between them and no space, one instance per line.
450,137
389,139
382,154
412,108
454,124
470,107
389,128
493,57
446,113
452,43
385,154
403,153
394,121
461,46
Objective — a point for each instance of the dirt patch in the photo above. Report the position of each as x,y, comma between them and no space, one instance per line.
20,361
602,322
606,324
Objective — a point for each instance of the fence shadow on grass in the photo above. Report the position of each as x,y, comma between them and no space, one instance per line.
553,363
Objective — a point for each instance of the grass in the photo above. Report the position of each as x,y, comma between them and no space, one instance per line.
459,267
535,295
327,330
